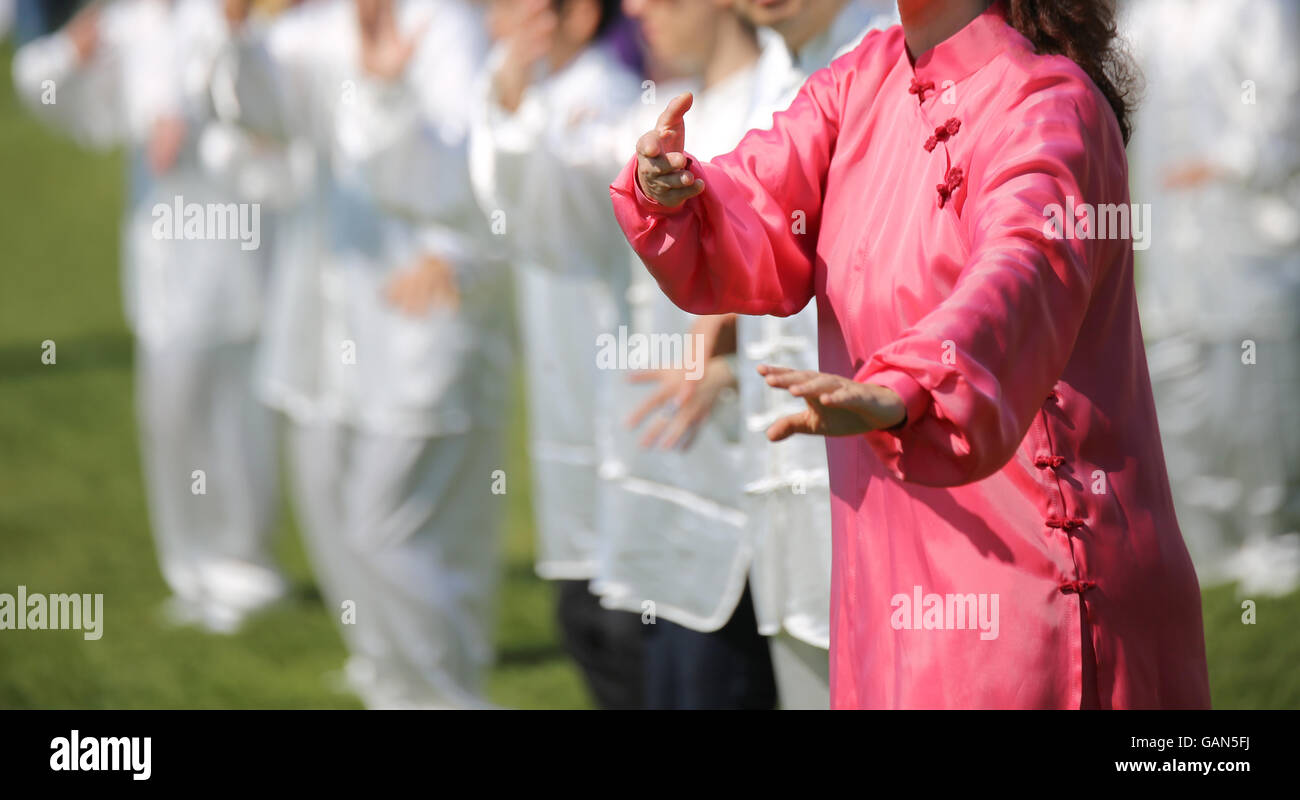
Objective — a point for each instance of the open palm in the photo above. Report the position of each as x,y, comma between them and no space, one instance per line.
837,406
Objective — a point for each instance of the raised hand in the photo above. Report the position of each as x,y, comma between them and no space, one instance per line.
429,282
1190,175
83,31
236,12
531,38
661,161
384,52
837,406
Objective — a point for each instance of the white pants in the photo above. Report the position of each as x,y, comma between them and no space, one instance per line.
209,456
803,673
403,533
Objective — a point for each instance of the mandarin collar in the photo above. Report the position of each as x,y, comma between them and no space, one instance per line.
967,50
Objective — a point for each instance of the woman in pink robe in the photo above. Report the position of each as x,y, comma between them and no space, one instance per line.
1003,534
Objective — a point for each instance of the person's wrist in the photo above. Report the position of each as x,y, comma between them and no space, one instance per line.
640,187
898,426
508,91
891,407
729,368
650,200
914,399
511,82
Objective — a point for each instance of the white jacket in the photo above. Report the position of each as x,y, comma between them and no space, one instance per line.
1221,85
542,182
675,534
786,484
1220,277
391,184
204,290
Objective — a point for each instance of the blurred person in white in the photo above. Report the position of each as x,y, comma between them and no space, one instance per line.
278,174
1216,155
6,17
109,78
392,354
551,83
787,487
676,548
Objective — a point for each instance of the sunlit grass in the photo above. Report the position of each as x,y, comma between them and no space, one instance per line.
72,511
72,514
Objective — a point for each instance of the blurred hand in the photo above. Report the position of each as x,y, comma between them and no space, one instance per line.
691,402
837,406
1190,175
166,139
532,37
236,12
660,160
385,53
430,282
83,31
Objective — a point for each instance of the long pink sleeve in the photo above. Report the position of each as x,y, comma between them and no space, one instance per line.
748,243
975,370
1029,467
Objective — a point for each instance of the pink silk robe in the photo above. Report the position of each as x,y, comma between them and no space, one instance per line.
1029,471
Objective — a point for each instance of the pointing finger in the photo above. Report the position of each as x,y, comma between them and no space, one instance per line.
671,118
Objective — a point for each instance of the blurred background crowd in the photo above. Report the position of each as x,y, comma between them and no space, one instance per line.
349,436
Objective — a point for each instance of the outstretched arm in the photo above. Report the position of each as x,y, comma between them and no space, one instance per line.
73,79
739,233
949,401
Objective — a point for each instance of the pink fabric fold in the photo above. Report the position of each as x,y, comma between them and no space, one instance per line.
1017,352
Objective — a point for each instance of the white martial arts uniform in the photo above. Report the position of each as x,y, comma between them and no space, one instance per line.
787,488
194,306
571,277
676,542
1220,283
395,420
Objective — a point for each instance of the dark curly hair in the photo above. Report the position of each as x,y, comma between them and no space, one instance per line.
1085,32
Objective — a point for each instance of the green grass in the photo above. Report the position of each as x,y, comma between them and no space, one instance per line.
72,510
72,514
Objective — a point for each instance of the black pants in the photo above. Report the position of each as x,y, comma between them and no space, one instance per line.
730,668
606,644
